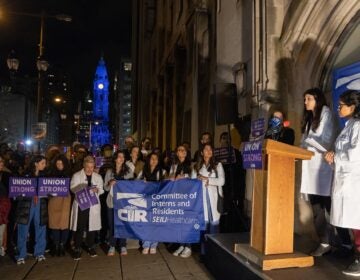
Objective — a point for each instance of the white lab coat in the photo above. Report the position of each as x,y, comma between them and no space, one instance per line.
109,176
316,176
215,182
79,178
345,209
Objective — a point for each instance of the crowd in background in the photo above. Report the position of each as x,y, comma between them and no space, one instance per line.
36,224
329,182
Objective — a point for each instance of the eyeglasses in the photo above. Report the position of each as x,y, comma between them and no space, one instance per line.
341,105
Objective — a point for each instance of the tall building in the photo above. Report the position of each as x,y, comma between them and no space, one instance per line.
99,126
122,102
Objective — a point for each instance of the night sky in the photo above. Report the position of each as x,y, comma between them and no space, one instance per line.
98,27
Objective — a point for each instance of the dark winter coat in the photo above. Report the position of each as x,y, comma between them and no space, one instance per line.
24,204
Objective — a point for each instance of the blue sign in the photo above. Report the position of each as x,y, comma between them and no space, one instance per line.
345,78
22,186
258,127
170,211
252,154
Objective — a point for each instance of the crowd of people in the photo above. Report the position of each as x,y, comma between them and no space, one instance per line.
328,182
35,224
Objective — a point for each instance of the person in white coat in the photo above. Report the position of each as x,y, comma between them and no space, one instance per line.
345,211
316,179
181,169
213,178
119,171
88,220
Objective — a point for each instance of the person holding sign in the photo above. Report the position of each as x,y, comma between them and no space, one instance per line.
345,197
316,178
86,211
32,209
59,207
213,178
179,170
119,171
152,172
5,203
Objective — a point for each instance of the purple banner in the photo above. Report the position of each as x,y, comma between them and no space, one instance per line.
54,186
99,161
86,198
252,155
258,127
20,186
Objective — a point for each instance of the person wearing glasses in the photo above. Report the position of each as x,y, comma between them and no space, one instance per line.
316,179
179,170
345,197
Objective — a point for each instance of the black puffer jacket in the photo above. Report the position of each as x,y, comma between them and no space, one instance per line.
23,210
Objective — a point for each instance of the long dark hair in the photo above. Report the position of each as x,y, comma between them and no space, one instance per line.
310,119
53,171
352,97
32,168
147,174
185,166
124,168
200,162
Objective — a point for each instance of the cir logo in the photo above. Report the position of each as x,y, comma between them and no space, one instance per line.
196,226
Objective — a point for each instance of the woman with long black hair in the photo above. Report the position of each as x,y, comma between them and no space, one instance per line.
152,172
59,207
179,170
212,176
32,209
119,171
316,179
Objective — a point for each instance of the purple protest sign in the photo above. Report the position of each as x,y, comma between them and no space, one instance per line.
86,198
222,155
258,127
20,186
252,155
93,198
54,186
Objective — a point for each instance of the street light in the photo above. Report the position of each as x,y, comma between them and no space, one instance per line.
42,64
13,63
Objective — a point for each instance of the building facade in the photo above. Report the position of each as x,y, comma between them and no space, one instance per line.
99,125
271,50
122,109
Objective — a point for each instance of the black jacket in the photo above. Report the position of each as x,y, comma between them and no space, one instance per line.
23,210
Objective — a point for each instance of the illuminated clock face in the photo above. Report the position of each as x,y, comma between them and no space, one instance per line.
100,86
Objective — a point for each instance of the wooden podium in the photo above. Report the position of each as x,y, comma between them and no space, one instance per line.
272,227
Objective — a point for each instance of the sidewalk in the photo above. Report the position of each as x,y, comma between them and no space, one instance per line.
163,265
